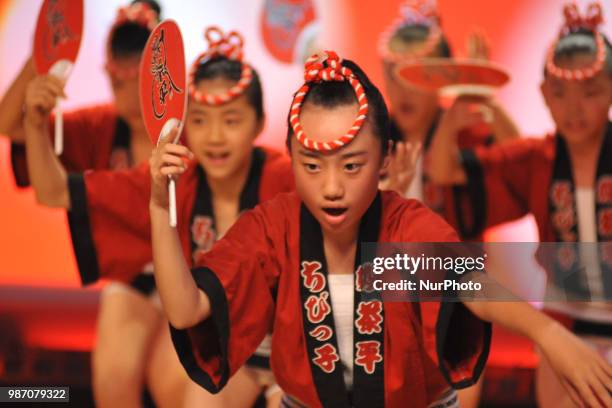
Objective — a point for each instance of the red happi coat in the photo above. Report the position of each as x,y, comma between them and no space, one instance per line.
94,138
109,216
534,176
255,278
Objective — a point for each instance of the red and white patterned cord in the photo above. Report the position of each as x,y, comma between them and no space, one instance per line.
413,12
329,68
574,21
230,46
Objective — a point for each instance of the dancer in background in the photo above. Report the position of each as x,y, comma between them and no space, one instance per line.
102,136
225,175
133,347
563,179
416,113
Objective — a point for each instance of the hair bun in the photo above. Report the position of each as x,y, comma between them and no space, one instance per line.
574,20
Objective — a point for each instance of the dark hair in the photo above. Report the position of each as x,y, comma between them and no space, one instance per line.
418,33
151,3
581,42
129,39
222,67
331,94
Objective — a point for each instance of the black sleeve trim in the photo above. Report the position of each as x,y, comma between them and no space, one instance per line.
19,165
258,361
453,342
476,194
217,325
80,230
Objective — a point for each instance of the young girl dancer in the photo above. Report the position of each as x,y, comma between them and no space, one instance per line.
227,175
417,114
299,253
132,344
563,179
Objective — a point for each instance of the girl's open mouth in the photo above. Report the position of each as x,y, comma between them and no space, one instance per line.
335,211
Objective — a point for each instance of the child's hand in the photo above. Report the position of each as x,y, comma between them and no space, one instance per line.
478,46
402,167
167,160
41,96
585,375
466,112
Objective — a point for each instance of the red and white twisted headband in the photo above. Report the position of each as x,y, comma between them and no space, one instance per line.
329,68
138,13
573,22
413,12
226,45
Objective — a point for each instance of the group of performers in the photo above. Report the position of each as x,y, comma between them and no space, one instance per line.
256,292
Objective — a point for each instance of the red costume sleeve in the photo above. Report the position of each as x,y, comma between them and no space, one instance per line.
88,137
500,179
109,223
239,275
456,340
